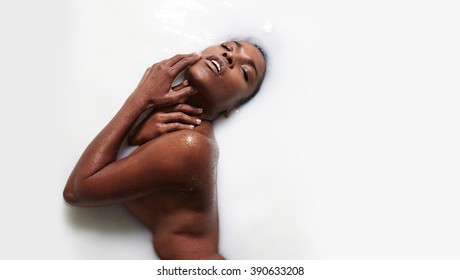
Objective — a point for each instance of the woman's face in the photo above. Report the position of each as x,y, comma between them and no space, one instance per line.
226,74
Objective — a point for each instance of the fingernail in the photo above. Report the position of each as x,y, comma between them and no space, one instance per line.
198,121
200,110
192,126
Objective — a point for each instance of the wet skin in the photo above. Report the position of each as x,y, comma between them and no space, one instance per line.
169,182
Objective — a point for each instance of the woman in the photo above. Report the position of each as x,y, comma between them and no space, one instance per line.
169,182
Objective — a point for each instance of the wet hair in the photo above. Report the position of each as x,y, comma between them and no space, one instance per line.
258,86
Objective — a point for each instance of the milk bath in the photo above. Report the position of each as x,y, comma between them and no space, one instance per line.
349,151
339,153
181,27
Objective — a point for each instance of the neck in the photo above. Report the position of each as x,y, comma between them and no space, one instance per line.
208,114
206,128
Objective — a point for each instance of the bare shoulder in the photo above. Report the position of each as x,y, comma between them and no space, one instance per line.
186,157
191,143
192,138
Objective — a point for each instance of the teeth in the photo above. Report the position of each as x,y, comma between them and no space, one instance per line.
216,64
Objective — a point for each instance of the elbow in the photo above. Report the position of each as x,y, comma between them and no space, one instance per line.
76,194
70,195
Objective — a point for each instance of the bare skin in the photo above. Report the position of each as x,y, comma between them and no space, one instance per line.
169,182
184,221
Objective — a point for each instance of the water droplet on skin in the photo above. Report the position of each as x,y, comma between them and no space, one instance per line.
189,139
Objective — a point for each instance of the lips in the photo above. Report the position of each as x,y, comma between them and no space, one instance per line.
217,64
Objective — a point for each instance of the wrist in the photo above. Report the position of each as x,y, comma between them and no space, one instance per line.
139,101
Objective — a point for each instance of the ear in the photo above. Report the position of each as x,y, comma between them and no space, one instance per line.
230,110
227,113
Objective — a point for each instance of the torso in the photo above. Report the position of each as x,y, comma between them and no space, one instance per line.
184,221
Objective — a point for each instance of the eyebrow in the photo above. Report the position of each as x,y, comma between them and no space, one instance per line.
250,61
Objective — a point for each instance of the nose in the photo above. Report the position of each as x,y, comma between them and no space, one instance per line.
231,58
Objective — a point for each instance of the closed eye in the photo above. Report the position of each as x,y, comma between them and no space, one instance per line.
225,46
245,74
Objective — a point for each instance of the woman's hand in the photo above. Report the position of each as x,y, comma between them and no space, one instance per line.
163,121
155,90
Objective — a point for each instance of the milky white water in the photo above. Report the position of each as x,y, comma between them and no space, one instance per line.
350,150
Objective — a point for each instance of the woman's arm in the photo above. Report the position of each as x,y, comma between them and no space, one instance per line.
153,91
180,161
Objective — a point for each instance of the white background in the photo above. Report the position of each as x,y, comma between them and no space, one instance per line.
350,151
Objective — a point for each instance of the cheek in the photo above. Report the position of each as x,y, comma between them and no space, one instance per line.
222,92
195,72
233,83
232,89
236,86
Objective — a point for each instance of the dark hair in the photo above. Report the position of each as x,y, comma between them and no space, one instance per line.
256,90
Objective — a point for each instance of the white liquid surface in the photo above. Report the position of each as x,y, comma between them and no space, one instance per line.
350,150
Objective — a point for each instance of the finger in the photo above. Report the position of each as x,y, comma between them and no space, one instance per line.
179,117
173,60
184,63
173,98
176,96
181,85
182,107
170,127
188,109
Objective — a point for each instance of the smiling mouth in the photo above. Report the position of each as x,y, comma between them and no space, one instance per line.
216,64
